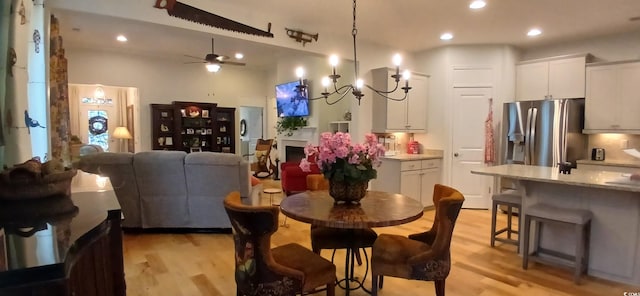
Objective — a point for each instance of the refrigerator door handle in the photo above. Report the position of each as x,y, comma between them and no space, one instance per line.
532,133
527,138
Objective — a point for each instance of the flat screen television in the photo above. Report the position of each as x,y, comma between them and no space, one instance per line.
290,102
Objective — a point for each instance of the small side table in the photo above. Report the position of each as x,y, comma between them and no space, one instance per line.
271,192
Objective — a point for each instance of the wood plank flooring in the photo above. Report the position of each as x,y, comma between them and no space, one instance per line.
203,264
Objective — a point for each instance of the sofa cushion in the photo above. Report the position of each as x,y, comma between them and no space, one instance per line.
163,190
119,168
210,177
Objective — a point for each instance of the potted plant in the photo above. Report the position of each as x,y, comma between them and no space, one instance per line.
288,125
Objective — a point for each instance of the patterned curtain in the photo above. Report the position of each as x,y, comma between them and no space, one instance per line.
59,97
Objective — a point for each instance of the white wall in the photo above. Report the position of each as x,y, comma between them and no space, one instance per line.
159,81
439,64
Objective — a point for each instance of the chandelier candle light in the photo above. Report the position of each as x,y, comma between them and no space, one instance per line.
356,89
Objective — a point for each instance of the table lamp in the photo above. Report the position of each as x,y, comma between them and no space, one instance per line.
123,134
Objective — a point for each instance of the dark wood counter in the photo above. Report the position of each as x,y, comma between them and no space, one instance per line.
62,246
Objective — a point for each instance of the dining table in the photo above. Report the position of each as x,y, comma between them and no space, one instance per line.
376,209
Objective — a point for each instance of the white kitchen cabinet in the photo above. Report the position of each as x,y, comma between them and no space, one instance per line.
339,126
554,78
613,98
413,178
409,115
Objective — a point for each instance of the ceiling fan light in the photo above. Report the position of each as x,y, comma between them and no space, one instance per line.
239,56
213,67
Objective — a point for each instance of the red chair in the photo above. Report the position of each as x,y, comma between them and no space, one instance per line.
293,179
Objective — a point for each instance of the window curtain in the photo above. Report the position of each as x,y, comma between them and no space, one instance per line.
74,108
59,97
122,99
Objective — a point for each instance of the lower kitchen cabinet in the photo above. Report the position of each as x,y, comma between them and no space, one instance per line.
413,178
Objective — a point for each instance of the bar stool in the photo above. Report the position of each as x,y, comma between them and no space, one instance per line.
511,201
581,220
271,192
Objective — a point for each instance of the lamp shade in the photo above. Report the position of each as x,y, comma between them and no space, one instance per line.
121,132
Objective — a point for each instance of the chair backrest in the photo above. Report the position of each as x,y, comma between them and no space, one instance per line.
252,229
448,202
317,182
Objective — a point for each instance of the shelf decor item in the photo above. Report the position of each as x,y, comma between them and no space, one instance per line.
348,166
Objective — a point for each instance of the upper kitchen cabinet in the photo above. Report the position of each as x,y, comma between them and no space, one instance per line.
409,115
613,98
552,78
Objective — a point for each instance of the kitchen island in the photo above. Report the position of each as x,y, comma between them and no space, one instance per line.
611,196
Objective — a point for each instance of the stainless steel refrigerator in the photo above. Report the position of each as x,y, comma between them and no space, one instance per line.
543,133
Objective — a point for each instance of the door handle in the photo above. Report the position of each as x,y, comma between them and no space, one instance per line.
456,154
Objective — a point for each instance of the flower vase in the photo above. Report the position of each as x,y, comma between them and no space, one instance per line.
348,192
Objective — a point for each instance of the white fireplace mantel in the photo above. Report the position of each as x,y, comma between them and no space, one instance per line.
299,138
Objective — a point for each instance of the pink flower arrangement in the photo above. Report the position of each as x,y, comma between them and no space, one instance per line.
340,160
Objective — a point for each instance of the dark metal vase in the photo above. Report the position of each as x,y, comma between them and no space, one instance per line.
348,192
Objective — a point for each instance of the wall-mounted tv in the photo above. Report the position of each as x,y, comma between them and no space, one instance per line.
290,102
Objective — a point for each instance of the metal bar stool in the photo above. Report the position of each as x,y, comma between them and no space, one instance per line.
581,220
511,201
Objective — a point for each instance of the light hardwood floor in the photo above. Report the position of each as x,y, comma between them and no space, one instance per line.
203,264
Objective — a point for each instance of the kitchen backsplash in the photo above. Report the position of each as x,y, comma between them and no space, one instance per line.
614,144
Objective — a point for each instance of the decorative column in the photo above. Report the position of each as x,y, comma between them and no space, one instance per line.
59,97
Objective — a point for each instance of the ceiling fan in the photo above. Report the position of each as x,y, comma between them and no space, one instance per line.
213,60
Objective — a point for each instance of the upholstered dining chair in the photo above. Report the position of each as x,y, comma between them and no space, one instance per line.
422,256
336,238
260,270
263,167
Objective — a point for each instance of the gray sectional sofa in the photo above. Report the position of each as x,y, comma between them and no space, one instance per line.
173,189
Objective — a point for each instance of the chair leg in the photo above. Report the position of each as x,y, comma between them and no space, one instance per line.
331,289
439,287
374,285
493,225
525,245
509,215
579,253
358,257
380,280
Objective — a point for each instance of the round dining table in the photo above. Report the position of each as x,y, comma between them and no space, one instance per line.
376,209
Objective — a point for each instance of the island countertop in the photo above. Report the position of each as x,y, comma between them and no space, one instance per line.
585,178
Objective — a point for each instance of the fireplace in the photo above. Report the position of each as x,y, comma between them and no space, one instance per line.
294,153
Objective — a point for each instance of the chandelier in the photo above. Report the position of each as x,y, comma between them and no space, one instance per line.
330,83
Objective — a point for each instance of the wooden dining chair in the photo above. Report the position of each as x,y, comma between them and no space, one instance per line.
336,238
290,269
422,256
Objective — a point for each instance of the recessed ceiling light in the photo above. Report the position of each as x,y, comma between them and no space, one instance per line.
121,38
239,56
477,4
534,32
446,36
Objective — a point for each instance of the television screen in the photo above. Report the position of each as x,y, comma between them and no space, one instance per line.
290,102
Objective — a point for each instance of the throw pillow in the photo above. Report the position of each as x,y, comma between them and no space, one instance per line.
261,158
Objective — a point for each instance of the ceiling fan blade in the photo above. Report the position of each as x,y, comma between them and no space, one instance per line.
222,58
232,63
190,56
194,62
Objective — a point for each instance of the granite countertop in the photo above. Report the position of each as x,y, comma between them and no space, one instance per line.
427,154
617,163
585,178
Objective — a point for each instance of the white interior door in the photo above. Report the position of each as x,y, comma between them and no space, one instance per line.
471,106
